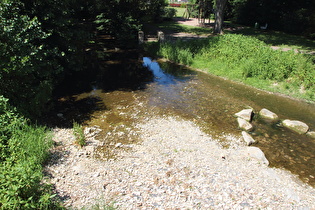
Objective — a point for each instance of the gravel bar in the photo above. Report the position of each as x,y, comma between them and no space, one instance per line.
175,166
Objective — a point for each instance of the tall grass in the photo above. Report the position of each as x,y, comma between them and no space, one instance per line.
249,60
23,150
79,134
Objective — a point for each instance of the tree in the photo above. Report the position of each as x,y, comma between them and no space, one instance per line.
219,16
290,16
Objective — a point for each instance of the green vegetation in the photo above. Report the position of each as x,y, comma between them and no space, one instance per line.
169,13
79,134
43,44
179,11
275,38
249,60
101,206
23,150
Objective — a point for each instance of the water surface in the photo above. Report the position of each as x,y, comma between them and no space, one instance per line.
163,88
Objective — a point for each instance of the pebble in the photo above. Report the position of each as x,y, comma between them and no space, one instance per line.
176,166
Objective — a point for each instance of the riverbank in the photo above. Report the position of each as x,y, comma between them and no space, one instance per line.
175,165
240,57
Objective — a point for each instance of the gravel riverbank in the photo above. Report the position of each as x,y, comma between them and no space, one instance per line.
176,166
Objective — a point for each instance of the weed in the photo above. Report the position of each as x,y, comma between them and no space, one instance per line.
101,205
23,149
79,134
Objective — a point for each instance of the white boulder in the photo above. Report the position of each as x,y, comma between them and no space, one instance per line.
269,116
295,125
245,125
257,154
247,138
245,114
311,134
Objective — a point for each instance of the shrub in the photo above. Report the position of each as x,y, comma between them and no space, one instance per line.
23,149
169,13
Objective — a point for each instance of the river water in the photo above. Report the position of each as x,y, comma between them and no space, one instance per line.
163,88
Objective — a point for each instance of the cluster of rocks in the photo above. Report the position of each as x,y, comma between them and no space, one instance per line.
245,117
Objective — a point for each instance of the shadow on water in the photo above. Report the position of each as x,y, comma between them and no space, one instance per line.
81,95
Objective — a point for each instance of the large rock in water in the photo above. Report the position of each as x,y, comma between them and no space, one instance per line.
243,124
311,134
247,138
245,114
268,116
295,125
256,153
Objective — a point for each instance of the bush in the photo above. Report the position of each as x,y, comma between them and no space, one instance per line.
169,13
27,68
23,149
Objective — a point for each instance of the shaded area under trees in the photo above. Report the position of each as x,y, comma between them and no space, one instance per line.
296,17
44,42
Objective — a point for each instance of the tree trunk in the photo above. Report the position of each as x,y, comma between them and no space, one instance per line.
219,16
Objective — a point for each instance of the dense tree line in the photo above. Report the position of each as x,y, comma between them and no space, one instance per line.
43,41
291,16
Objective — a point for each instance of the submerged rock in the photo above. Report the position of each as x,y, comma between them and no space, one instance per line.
295,125
256,153
245,114
245,125
268,116
311,134
247,138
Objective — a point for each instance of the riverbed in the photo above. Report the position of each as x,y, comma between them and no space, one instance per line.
159,88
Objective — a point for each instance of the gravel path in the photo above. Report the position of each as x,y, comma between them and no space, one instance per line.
176,166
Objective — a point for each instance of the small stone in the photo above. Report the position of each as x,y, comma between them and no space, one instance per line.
245,125
247,138
118,145
96,174
245,114
256,153
245,204
311,134
295,125
268,116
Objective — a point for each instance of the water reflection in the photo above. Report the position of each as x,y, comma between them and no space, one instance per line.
159,75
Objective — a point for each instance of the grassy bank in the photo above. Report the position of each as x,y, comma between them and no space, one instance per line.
249,60
23,150
274,38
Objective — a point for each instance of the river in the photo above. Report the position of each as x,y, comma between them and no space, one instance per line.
163,88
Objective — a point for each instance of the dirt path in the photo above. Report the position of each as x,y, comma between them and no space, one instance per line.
189,22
